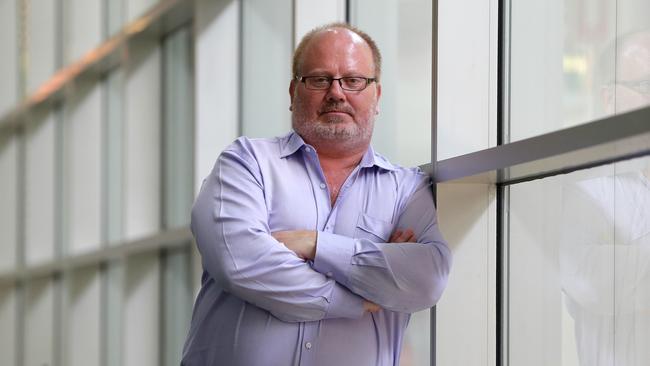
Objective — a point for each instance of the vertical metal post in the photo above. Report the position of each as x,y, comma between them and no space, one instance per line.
434,145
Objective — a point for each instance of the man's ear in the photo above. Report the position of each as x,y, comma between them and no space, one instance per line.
292,89
378,97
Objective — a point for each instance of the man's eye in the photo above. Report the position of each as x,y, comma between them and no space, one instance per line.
320,80
353,81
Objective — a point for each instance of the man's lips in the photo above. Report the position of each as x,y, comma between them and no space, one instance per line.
335,112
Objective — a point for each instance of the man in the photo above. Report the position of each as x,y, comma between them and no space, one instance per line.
293,231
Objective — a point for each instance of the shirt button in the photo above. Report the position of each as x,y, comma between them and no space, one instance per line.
308,345
329,274
323,185
307,149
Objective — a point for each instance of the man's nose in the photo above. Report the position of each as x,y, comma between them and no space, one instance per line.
335,92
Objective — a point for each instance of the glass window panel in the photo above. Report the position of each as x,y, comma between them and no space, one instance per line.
177,302
8,63
82,27
141,311
82,155
142,189
266,67
112,325
83,318
579,266
8,316
403,32
40,189
467,65
114,17
313,13
632,86
178,128
137,8
39,323
579,61
42,42
114,153
8,200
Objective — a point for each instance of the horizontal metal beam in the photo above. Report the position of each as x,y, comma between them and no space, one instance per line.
615,138
166,239
167,15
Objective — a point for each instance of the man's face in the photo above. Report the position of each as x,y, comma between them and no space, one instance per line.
335,116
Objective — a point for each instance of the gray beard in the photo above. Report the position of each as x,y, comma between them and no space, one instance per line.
344,136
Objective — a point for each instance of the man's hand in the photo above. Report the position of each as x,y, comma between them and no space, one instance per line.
403,236
301,242
370,307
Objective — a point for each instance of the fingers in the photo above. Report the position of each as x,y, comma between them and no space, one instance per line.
370,307
403,236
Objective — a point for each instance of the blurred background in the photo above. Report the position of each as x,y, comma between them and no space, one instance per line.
113,111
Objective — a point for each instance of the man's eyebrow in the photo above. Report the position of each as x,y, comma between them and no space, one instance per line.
321,72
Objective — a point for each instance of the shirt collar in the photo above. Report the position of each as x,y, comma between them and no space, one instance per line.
292,142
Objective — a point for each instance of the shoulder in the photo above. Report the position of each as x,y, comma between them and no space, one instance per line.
253,150
409,178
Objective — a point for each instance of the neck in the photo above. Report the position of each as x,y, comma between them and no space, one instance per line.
339,157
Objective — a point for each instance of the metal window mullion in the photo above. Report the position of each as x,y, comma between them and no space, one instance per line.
434,149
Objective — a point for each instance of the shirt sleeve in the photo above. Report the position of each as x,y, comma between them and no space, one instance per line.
402,277
230,225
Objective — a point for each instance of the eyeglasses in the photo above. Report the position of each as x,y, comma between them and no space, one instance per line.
352,83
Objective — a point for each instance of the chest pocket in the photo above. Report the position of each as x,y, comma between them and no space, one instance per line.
372,228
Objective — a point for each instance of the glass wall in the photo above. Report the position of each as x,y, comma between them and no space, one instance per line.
590,60
403,32
96,184
579,266
267,47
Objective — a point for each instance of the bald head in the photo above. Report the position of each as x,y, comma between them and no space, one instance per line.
354,35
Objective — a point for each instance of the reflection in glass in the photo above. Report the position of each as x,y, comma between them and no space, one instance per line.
605,267
580,61
579,268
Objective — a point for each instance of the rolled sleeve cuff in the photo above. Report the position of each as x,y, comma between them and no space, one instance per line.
333,256
344,304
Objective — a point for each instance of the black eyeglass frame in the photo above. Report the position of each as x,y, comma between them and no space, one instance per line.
330,80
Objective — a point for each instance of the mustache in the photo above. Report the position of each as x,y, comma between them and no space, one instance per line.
336,107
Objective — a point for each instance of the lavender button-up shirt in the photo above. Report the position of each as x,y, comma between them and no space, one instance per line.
260,304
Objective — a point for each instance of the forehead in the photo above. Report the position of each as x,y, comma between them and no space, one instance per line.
336,48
